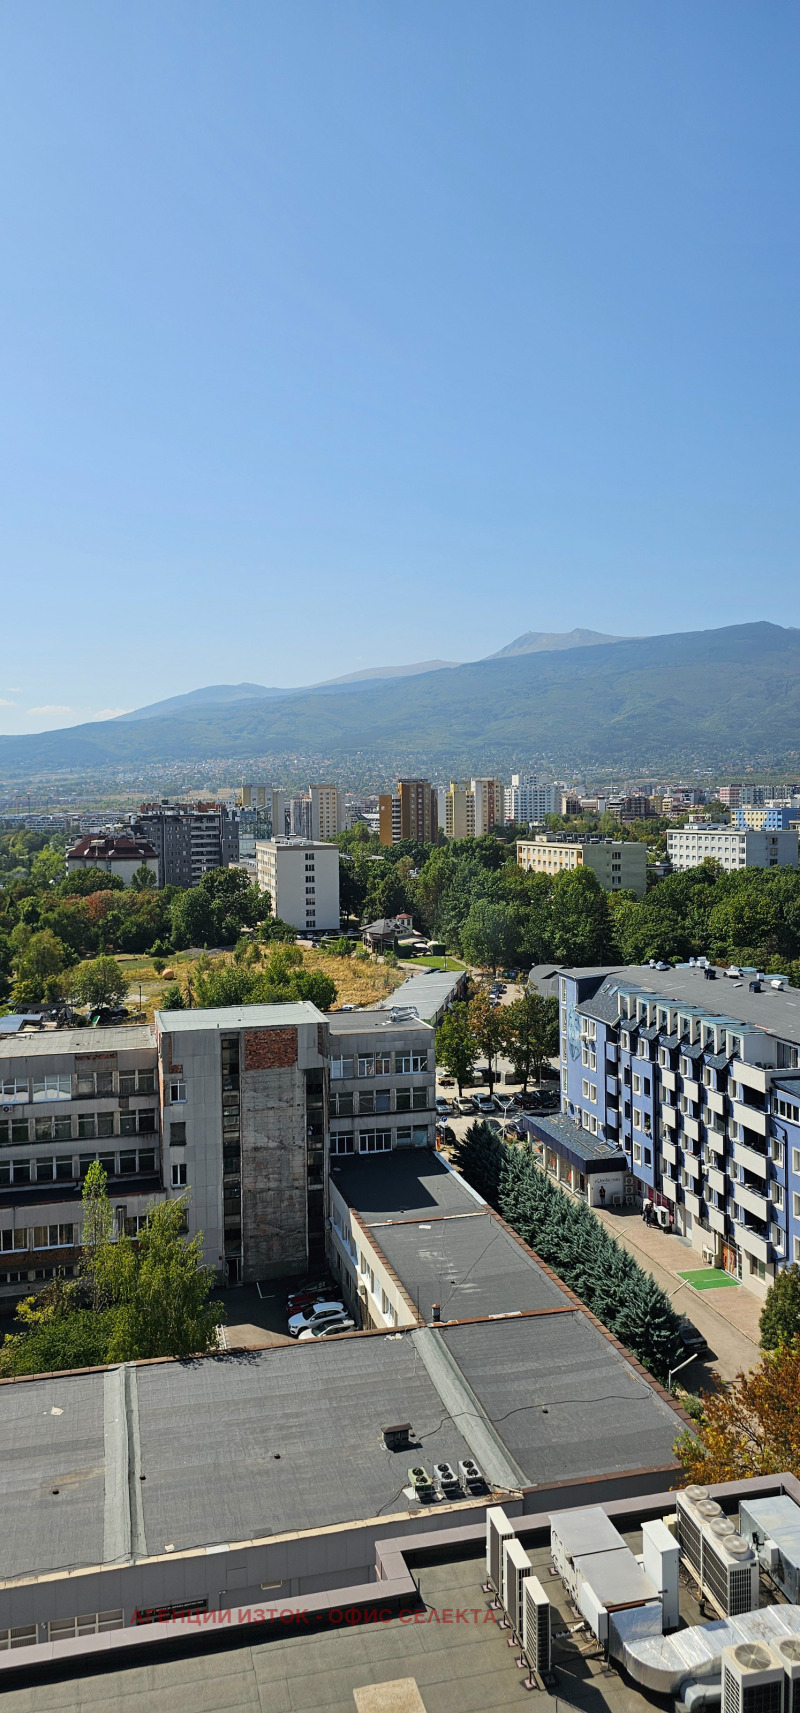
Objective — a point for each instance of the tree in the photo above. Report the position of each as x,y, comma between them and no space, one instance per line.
751,1427
47,867
531,1034
143,879
478,1156
161,1290
97,1227
455,1045
490,934
43,958
102,981
56,1332
581,920
489,1031
87,880
780,1316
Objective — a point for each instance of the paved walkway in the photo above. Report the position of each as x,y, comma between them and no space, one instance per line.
727,1318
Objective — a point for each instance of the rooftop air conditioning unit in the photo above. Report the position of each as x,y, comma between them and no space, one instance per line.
445,1481
729,1573
536,1629
516,1568
690,1523
470,1476
787,1650
752,1680
498,1530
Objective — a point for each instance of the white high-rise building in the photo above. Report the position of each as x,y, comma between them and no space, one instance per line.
302,879
526,800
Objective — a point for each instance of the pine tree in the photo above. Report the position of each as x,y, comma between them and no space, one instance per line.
649,1326
479,1157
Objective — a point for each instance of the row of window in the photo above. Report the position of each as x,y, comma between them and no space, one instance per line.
378,1065
21,1091
343,1104
63,1170
38,1237
378,1141
78,1126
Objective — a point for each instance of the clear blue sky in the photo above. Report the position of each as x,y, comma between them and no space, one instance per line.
347,332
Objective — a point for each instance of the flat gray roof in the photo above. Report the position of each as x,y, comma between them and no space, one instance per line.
402,1184
125,1037
429,991
469,1264
777,1012
564,1132
240,1017
367,1021
51,1436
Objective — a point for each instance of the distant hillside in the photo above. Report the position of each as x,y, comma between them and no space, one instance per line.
716,697
543,641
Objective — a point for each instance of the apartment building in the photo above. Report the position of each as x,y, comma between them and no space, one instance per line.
302,879
190,839
488,796
769,818
459,811
325,818
70,1097
410,813
382,1083
617,863
120,855
525,800
269,805
698,1085
732,847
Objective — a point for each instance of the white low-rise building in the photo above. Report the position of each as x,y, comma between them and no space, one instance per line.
732,847
302,879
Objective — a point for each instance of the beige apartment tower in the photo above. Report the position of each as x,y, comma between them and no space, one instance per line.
324,812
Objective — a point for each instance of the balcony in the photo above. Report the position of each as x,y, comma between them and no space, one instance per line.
716,1219
669,1116
716,1142
751,1160
612,1086
668,1079
750,1117
757,1077
752,1243
612,1053
715,1101
669,1189
750,1200
691,1165
691,1088
670,1153
612,1117
691,1127
692,1202
717,1181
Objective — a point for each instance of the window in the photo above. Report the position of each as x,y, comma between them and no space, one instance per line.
105,1123
686,1066
134,1224
637,1118
593,1092
342,1104
383,1099
178,1174
147,1162
788,1056
52,1088
787,1109
14,1092
177,1093
147,1082
374,1141
366,1100
410,1064
363,1264
65,1170
127,1165
647,1085
53,1236
637,1084
177,1133
796,1160
564,1080
663,1058
776,1195
585,1089
19,1130
146,1117
643,1050
637,1154
87,1124
343,1142
127,1082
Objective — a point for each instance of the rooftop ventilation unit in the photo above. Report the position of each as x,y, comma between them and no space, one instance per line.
690,1523
498,1530
788,1652
536,1629
730,1573
445,1481
397,1438
471,1477
661,1562
773,1528
516,1568
752,1680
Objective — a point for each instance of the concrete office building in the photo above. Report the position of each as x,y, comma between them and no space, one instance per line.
190,839
382,1083
617,863
698,1086
302,879
732,847
114,855
325,817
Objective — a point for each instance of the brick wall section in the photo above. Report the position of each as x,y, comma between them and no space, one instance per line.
270,1049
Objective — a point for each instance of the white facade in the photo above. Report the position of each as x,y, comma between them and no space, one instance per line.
302,879
732,847
525,800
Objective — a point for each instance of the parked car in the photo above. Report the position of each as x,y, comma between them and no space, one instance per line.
516,1131
315,1314
447,1082
445,1133
692,1339
443,1107
313,1288
328,1328
486,1103
465,1106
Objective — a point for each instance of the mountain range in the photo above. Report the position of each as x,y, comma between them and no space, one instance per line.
715,697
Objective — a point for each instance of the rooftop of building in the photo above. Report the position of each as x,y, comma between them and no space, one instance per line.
402,1185
229,1017
565,1133
370,1018
122,1037
118,845
429,991
776,1011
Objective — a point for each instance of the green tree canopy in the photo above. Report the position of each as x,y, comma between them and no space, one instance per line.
490,935
780,1316
102,981
531,1025
44,958
455,1044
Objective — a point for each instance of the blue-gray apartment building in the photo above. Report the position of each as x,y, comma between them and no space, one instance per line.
689,1078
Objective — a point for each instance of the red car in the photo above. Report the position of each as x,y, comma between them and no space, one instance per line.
308,1294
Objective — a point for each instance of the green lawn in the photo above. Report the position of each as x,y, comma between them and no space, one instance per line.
434,963
709,1279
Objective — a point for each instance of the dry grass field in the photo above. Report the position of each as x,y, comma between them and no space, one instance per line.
358,981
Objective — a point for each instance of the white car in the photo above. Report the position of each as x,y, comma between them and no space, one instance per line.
310,1316
326,1329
